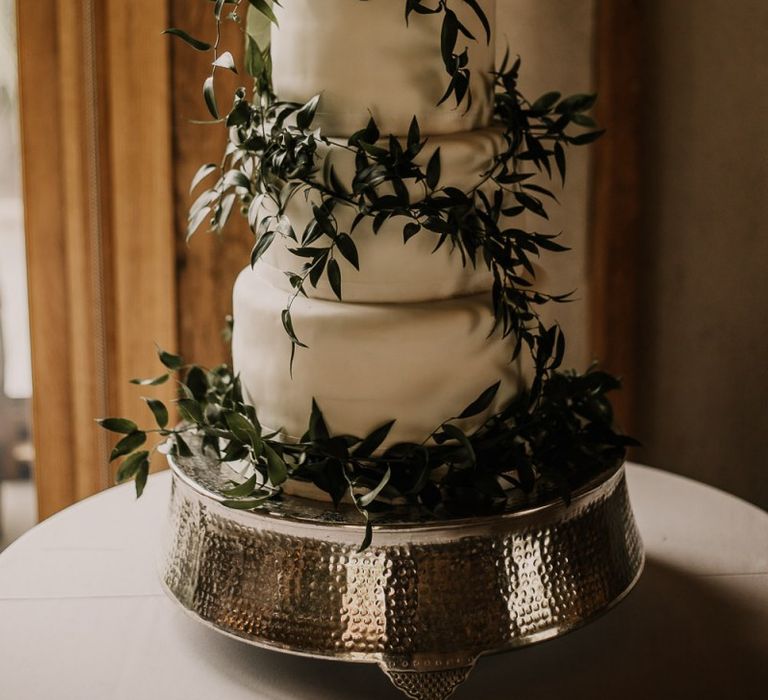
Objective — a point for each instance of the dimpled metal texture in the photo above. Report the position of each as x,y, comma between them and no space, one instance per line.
424,601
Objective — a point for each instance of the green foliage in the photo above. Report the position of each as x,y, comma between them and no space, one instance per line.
273,157
456,63
118,425
563,437
558,431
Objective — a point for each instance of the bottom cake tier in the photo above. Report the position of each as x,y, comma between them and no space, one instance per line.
367,364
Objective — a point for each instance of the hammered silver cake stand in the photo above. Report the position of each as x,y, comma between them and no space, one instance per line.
424,601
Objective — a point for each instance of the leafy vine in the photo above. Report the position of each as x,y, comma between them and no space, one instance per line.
565,441
272,156
559,430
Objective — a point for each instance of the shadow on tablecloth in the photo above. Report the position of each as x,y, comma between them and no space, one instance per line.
675,636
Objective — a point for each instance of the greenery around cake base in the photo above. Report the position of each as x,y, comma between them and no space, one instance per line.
558,431
566,439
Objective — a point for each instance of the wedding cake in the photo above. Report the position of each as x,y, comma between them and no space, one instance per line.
387,340
465,494
413,337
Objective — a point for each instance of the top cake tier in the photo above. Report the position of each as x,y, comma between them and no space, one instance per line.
363,58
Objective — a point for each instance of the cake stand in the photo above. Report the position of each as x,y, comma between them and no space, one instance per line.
424,601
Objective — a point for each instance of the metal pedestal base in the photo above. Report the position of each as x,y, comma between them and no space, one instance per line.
424,601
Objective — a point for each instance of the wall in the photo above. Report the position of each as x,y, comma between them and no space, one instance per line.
704,405
554,39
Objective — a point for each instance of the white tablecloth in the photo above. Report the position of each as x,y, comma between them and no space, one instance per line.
82,616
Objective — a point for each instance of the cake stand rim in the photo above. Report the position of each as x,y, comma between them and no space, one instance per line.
604,480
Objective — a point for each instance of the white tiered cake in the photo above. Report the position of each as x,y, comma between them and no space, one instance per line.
374,335
411,339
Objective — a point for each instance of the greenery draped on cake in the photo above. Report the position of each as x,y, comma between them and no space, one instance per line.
557,432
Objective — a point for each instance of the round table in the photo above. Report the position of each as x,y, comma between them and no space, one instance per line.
83,617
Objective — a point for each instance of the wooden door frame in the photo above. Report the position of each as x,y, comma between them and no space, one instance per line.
98,225
616,227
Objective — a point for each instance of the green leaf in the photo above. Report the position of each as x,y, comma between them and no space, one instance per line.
433,170
234,452
261,247
243,430
197,382
264,7
334,277
203,172
225,61
118,425
171,361
448,37
482,402
410,230
337,447
151,381
336,184
560,160
348,249
531,203
244,489
240,114
181,446
482,17
318,266
235,178
222,212
584,120
277,471
210,97
368,538
285,316
194,223
141,477
131,465
318,430
191,411
159,411
545,102
454,433
583,139
257,60
248,504
128,444
540,190
372,495
306,114
194,43
576,103
368,446
414,135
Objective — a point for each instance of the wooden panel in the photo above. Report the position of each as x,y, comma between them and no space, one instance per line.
99,226
47,277
142,252
616,225
208,265
81,227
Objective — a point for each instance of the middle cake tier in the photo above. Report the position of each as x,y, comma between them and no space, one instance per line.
366,364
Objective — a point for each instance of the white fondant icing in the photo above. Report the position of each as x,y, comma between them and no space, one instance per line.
363,58
366,364
389,271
